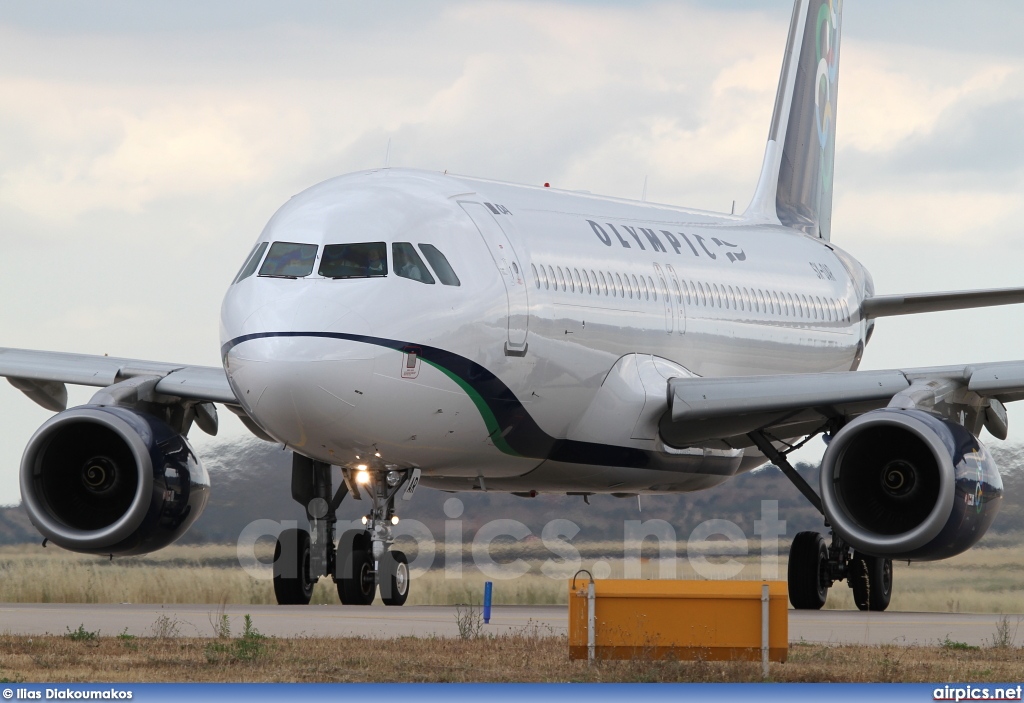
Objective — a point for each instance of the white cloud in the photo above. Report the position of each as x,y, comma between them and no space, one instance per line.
889,96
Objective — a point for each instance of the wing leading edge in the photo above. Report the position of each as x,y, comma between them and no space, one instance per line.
39,369
721,412
42,375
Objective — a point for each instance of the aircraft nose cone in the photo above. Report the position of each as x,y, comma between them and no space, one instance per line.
299,385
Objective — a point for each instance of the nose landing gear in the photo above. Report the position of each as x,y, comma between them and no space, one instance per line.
361,561
368,561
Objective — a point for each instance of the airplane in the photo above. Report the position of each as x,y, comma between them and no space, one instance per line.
412,327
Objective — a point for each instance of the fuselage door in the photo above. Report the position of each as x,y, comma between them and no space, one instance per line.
667,295
676,294
511,271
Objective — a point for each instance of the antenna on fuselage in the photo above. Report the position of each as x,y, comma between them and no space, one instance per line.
643,196
387,155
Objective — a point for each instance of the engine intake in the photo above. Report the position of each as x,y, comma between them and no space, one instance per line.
909,485
111,480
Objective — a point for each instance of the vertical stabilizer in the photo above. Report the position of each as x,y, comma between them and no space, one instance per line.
795,188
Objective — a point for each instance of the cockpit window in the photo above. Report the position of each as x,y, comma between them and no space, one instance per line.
249,267
408,263
440,265
289,260
364,260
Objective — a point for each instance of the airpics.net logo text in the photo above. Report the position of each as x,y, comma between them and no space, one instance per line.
977,693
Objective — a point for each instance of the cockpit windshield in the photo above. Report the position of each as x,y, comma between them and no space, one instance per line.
289,260
441,266
365,260
408,263
249,267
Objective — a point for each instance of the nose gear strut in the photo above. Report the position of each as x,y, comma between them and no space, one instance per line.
361,558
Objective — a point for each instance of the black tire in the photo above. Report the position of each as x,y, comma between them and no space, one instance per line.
394,578
293,584
871,581
361,587
357,584
349,541
808,586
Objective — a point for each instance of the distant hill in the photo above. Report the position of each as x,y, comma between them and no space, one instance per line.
251,480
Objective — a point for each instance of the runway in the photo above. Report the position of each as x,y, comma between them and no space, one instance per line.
827,626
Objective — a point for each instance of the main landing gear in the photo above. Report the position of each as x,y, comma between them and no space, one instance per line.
361,560
815,566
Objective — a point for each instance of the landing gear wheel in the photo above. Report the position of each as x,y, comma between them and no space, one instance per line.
361,587
394,578
292,582
357,583
808,557
871,581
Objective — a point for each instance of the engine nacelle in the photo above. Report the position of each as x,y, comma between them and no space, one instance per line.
905,484
111,480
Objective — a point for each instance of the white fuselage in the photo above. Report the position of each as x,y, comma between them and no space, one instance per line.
542,370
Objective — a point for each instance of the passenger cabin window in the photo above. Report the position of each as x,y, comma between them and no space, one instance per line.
444,270
249,267
408,263
363,260
289,260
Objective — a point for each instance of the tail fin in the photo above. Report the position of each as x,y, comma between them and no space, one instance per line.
795,188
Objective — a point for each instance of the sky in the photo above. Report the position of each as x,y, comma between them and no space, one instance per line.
143,146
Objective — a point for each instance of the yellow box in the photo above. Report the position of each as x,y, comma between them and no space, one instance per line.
710,620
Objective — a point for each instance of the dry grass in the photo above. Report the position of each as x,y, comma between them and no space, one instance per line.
981,581
520,657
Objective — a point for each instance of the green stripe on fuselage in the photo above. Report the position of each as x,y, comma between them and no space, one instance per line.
494,430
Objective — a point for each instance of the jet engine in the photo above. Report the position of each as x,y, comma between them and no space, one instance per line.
905,484
111,480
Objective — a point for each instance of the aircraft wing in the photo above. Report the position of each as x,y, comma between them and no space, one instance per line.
886,305
720,412
41,375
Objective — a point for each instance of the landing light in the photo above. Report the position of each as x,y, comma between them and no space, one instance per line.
394,519
365,519
362,476
393,478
